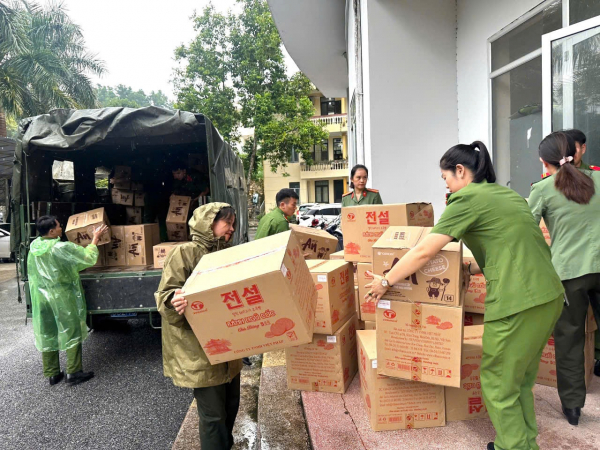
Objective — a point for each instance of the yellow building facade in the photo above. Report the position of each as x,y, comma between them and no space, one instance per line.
326,180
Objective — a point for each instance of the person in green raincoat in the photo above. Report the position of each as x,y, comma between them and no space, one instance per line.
524,293
57,302
278,220
216,387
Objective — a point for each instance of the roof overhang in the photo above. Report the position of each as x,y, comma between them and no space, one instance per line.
314,34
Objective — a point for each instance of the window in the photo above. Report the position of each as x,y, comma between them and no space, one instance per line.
322,191
580,10
338,149
296,188
321,152
516,89
293,156
330,106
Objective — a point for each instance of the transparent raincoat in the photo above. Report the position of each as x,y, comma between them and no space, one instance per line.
58,305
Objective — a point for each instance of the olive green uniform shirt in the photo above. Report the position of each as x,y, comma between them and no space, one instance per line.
368,197
496,224
272,223
574,228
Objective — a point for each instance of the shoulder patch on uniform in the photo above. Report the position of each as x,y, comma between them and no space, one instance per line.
538,181
346,194
594,167
373,190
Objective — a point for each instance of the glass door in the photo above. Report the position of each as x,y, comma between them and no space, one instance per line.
571,83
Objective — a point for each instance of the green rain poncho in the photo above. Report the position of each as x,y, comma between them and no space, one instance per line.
58,305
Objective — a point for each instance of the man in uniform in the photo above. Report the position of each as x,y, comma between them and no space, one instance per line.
278,220
366,197
189,182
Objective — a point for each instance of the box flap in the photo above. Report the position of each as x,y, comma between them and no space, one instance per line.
401,237
314,231
368,340
312,263
327,266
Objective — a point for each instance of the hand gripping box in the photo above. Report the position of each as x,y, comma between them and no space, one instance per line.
475,295
139,240
327,364
394,404
315,243
116,250
80,227
177,217
440,281
466,402
253,298
363,225
335,288
419,341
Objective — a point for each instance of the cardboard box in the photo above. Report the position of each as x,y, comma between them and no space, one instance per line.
335,301
122,197
177,217
473,319
139,241
475,295
137,186
315,243
367,307
134,215
101,258
337,255
161,251
356,301
466,402
419,342
252,298
327,364
122,184
138,198
116,250
547,371
80,227
370,325
363,225
394,404
122,172
440,281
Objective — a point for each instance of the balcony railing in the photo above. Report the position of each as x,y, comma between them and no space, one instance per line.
340,164
335,119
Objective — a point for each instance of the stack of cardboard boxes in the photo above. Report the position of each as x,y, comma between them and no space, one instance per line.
177,218
128,193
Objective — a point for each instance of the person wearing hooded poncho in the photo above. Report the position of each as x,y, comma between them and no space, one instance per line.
57,301
216,387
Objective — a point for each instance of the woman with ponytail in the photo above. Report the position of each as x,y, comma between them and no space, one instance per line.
524,293
569,202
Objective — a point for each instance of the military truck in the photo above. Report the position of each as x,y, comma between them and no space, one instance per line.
93,141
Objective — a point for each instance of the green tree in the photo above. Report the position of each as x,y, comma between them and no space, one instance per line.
234,73
44,63
122,95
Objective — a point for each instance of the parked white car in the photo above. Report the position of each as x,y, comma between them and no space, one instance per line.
5,253
324,211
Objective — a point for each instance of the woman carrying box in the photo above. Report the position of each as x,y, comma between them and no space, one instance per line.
569,203
361,195
524,294
216,387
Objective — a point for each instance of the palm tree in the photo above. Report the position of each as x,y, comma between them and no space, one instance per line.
44,63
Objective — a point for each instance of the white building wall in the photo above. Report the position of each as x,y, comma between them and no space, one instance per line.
412,110
478,20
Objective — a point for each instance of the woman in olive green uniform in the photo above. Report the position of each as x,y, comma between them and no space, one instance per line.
524,294
361,195
569,202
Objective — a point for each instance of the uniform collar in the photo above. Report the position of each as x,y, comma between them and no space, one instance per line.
364,194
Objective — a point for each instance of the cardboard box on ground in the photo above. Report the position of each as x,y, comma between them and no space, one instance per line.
161,251
177,217
252,298
335,290
363,225
466,401
315,243
547,370
439,281
327,364
139,241
394,404
80,227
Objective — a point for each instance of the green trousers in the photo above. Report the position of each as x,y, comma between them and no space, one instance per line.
512,348
51,361
569,338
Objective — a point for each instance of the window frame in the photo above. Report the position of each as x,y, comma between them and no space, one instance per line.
322,185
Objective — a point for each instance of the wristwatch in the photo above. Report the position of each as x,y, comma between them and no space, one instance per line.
385,283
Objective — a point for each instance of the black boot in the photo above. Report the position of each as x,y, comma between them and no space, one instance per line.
56,378
79,377
491,446
597,365
572,415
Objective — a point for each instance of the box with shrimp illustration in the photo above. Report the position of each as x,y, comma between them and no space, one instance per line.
419,342
251,299
440,281
335,288
327,364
